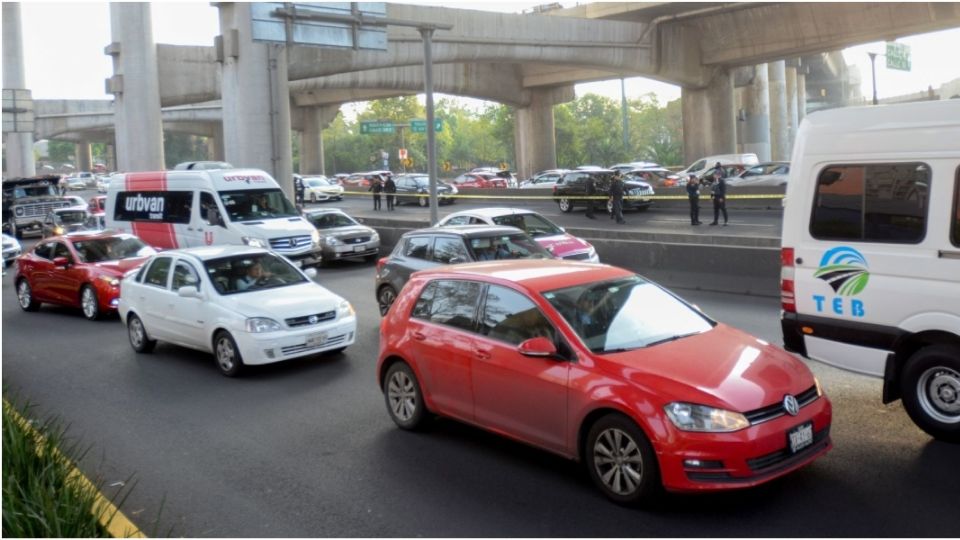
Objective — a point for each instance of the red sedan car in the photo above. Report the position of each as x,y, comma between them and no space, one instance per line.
78,270
97,205
480,180
598,364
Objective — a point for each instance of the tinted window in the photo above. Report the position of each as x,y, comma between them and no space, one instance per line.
253,272
873,203
417,247
209,211
512,317
44,251
60,250
507,246
451,303
112,248
532,224
330,220
183,276
256,204
445,250
955,229
160,206
157,273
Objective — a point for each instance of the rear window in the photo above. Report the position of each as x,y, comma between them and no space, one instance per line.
872,203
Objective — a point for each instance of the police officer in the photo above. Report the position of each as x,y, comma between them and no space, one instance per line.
591,192
693,195
616,197
719,194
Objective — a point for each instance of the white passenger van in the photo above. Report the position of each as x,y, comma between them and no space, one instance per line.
187,208
871,252
703,164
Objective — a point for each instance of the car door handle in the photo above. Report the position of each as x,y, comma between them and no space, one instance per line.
482,354
419,336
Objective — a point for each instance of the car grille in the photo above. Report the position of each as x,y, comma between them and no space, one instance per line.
294,322
39,210
765,414
290,243
763,463
358,240
295,349
578,256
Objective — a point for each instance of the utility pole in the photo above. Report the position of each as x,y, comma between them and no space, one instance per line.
873,71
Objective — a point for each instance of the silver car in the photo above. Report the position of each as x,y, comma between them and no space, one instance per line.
341,236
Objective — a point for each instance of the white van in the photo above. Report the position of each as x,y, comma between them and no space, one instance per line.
701,165
187,208
871,252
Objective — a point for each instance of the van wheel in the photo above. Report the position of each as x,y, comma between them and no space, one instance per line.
930,389
565,205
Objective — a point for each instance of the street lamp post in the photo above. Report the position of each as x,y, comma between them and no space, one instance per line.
873,71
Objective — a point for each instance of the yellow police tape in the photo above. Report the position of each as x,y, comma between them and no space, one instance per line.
109,516
576,198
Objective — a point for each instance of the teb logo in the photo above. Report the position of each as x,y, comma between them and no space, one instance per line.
845,270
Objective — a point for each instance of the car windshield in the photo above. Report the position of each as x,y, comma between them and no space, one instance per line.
623,314
257,204
330,220
533,224
112,248
70,218
317,182
422,181
252,272
507,246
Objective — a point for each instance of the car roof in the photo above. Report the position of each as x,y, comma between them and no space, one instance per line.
537,275
80,236
206,253
469,231
492,212
312,211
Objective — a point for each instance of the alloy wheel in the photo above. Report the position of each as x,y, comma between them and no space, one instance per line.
618,461
402,395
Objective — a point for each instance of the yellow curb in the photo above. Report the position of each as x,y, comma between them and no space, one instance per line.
109,516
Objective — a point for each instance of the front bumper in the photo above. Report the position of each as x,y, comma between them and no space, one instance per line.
271,347
745,458
348,251
308,258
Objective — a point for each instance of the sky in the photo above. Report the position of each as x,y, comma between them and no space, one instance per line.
64,42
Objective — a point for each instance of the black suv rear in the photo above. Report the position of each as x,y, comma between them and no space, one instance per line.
571,190
428,248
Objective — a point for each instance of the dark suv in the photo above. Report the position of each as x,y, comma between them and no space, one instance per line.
428,248
572,188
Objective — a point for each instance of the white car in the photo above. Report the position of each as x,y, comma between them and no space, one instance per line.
76,184
320,188
11,250
764,174
543,179
246,306
77,202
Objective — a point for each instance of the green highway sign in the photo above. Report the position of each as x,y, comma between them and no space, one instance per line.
898,56
420,126
372,127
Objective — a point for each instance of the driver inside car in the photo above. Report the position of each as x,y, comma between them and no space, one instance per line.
255,274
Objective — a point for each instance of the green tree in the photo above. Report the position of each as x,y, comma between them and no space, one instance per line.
180,147
61,151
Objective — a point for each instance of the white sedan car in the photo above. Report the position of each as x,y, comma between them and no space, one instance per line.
320,188
246,306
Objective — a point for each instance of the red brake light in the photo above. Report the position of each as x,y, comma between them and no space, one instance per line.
788,298
786,257
381,263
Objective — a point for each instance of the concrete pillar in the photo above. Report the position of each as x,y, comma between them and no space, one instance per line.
315,120
111,158
535,140
779,130
791,107
215,143
756,123
801,94
84,156
256,104
18,147
709,118
136,88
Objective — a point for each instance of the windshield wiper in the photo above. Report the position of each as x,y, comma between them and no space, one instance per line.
671,338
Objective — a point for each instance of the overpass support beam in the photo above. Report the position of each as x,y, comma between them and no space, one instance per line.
256,103
315,119
709,118
792,117
779,130
756,118
136,88
535,139
18,146
84,156
215,143
801,94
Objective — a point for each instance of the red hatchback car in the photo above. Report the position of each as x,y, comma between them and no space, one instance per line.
598,364
78,270
480,180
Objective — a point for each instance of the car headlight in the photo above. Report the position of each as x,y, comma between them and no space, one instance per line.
692,417
58,230
257,325
816,382
454,190
253,242
345,309
315,237
110,280
374,236
331,241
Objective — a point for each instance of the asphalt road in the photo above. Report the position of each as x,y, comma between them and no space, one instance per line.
306,449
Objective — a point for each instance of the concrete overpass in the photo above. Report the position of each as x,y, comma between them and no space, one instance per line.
715,51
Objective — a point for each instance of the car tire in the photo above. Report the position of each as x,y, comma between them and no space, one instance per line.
423,202
386,296
404,398
137,333
620,460
565,204
89,303
930,390
226,354
25,296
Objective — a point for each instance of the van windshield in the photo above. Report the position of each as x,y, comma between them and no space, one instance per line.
256,204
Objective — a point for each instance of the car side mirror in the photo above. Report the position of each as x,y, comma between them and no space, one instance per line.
538,347
61,262
189,291
311,272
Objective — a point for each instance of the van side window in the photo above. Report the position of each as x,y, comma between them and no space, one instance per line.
872,203
955,226
209,212
159,206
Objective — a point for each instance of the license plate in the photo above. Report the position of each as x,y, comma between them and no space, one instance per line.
316,340
800,437
359,249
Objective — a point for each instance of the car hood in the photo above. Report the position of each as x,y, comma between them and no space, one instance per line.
723,367
275,227
283,302
121,267
332,189
562,245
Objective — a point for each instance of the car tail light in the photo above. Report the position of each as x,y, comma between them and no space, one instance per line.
381,263
788,300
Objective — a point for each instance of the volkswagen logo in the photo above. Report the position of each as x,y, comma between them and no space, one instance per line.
314,320
791,406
